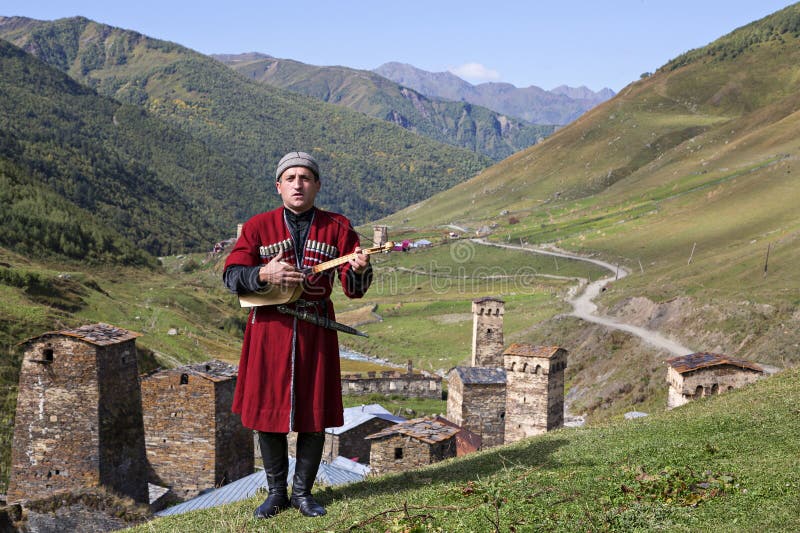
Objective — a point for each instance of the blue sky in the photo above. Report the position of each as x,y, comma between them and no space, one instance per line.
583,42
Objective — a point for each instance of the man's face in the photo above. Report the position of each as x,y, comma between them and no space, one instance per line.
298,188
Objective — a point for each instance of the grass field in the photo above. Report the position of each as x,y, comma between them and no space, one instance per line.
726,463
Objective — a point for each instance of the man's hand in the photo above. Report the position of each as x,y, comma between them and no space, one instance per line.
278,272
359,262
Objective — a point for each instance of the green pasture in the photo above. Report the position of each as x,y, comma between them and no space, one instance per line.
727,463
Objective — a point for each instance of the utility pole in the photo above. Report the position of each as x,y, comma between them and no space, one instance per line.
691,254
766,261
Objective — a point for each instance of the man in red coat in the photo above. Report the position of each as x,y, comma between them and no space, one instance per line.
289,378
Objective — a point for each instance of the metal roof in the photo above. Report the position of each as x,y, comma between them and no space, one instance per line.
481,375
529,350
248,486
428,430
350,465
695,361
98,334
355,416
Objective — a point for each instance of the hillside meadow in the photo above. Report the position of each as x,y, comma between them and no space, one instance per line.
726,463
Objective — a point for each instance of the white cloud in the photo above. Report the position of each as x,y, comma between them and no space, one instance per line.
475,72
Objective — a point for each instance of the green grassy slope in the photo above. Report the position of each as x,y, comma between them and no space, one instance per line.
725,463
457,123
371,168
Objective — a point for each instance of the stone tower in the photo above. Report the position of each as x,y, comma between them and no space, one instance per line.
534,389
194,441
380,235
476,400
79,415
487,332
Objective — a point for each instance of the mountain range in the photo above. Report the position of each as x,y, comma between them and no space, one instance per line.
559,106
458,123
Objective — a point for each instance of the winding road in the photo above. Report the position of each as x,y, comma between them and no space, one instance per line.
583,305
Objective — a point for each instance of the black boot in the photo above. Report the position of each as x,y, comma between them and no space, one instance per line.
275,453
309,453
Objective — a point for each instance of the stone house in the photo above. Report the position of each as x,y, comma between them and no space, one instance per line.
194,442
411,444
487,332
79,416
703,374
476,401
534,389
349,439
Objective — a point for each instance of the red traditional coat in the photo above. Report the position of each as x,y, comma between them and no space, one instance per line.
289,378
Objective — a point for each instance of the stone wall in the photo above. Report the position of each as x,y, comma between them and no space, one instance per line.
389,383
68,405
193,441
478,407
234,442
123,463
399,453
534,394
706,382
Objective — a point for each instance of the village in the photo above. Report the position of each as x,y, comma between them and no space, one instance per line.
168,439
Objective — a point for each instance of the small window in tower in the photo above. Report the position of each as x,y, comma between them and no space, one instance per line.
48,354
398,453
184,379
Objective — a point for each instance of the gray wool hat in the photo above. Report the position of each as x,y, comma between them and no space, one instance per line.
296,159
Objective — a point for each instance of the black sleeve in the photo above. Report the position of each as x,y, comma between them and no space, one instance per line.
359,283
242,279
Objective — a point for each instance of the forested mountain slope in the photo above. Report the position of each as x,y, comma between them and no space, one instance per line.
371,168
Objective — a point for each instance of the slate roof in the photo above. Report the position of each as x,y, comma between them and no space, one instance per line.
98,334
355,416
248,486
695,361
477,375
529,350
428,430
488,299
214,370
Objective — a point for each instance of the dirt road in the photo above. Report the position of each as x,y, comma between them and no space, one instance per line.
582,298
